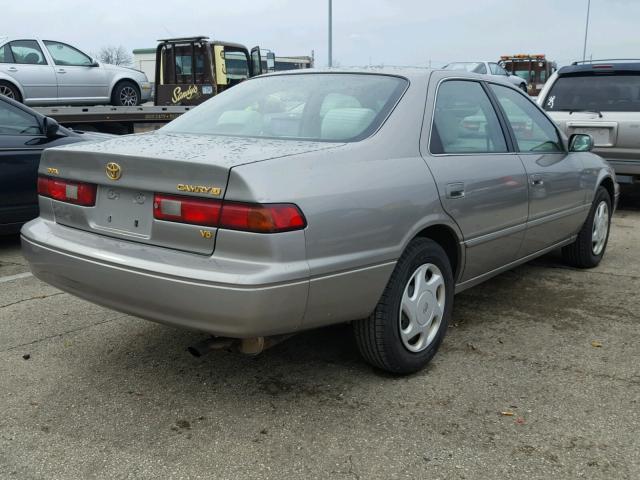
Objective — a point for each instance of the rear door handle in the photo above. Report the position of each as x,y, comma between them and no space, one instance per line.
455,190
62,70
12,69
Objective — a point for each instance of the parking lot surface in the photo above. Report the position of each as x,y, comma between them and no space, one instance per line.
539,377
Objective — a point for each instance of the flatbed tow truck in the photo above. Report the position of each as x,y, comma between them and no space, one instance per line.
189,71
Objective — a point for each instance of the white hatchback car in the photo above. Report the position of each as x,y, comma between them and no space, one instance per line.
47,72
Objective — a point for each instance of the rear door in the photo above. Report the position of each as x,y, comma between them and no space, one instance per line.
77,76
482,183
557,194
24,61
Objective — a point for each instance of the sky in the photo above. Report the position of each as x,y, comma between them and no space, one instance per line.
378,32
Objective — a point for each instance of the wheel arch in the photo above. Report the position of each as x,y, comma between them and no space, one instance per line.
118,80
447,237
13,83
609,185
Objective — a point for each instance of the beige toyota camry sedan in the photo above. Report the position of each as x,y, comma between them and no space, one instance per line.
298,200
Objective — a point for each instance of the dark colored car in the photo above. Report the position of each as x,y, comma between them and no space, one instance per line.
24,133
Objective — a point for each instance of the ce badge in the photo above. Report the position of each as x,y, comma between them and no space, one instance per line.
113,171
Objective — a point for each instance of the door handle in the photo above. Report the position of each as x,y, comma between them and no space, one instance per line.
536,181
62,70
12,69
455,190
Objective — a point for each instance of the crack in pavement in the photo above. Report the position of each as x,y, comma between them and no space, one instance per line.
49,337
37,297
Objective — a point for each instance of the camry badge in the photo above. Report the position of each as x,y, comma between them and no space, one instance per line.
113,171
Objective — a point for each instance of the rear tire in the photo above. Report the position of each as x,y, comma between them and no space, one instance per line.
589,247
126,94
9,90
407,326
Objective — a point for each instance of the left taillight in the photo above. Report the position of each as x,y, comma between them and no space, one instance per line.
69,191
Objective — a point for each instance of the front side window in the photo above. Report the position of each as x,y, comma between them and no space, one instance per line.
497,69
464,120
601,93
14,121
316,107
27,52
66,55
533,131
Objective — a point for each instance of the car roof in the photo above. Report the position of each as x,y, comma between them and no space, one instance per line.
600,67
411,73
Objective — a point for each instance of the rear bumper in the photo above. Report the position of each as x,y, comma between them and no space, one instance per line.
184,299
625,167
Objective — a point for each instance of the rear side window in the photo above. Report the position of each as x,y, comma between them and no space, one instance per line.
5,54
318,107
27,52
464,120
534,132
602,93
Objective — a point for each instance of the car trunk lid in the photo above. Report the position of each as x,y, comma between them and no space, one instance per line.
129,171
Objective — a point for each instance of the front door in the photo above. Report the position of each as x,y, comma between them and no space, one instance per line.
21,143
79,78
556,193
481,182
24,61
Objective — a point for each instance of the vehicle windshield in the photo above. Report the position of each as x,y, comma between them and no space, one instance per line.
599,93
473,67
317,107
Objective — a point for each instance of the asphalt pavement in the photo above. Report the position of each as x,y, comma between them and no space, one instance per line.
539,377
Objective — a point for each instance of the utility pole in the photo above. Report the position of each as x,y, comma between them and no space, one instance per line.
330,39
586,31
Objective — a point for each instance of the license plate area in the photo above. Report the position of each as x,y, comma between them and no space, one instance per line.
603,134
124,210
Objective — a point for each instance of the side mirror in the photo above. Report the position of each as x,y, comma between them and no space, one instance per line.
580,142
51,127
94,63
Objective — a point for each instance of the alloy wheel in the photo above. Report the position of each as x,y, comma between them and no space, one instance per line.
600,228
6,91
128,97
422,307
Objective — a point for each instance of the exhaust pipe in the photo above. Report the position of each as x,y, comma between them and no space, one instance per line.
209,345
248,346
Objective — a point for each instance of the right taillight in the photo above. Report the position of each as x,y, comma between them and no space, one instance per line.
176,208
248,217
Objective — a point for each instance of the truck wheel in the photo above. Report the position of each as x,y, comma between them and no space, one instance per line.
589,247
407,326
126,94
9,90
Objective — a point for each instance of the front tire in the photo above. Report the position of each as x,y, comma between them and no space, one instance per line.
126,94
9,90
588,249
407,326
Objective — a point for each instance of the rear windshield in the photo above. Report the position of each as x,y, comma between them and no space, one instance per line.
601,93
318,107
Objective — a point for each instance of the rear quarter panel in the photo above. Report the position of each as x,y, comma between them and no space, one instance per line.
363,202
